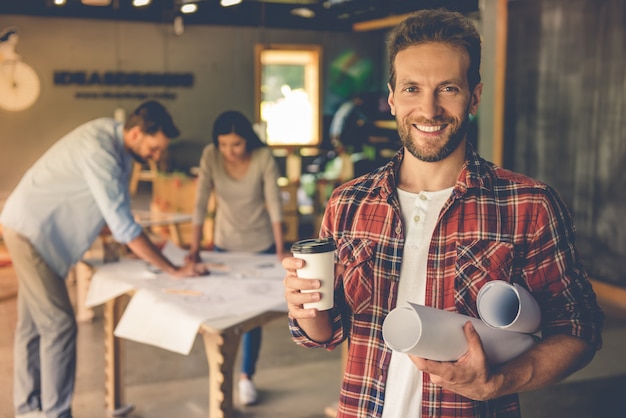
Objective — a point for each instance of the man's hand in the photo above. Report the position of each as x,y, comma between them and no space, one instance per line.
145,249
549,361
315,324
293,290
190,270
469,376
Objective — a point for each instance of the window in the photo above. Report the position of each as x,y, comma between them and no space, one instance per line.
288,93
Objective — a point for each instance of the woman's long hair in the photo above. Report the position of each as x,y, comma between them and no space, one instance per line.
232,121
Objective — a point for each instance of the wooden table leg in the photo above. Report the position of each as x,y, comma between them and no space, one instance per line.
221,351
113,358
175,234
221,347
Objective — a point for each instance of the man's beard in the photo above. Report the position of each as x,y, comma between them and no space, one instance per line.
451,143
137,157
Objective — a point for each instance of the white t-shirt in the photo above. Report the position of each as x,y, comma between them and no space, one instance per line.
420,211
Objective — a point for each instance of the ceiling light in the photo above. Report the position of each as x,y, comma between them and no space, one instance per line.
303,12
96,2
140,3
59,2
189,8
226,3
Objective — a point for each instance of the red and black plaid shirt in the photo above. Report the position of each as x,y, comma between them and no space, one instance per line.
497,225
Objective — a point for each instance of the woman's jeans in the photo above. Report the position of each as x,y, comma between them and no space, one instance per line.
251,341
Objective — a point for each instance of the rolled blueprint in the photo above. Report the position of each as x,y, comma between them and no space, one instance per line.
436,334
508,306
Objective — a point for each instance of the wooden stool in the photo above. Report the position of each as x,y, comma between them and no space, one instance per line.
141,174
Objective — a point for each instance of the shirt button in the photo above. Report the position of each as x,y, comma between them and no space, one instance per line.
398,229
416,218
423,197
486,262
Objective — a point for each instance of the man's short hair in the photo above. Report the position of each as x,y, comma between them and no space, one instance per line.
152,117
436,25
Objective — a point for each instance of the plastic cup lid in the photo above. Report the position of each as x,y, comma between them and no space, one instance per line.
313,246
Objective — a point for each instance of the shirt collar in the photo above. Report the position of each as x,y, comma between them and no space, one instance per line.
474,174
119,134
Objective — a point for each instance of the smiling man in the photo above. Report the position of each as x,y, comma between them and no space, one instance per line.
432,227
49,221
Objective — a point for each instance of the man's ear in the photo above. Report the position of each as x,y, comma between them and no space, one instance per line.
475,99
134,134
390,100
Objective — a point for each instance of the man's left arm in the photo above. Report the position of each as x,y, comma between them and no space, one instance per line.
571,318
549,361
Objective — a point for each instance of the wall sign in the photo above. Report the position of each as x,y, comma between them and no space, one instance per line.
122,78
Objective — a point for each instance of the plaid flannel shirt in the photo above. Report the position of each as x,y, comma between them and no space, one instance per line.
497,225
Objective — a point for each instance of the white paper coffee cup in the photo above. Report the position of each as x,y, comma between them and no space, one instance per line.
319,258
508,306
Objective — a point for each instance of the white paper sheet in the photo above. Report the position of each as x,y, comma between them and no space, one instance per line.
150,319
111,280
169,310
245,265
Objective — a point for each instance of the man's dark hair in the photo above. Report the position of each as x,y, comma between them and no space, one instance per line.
438,25
4,36
152,117
232,121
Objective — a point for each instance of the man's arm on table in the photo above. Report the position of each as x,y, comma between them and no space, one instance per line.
146,250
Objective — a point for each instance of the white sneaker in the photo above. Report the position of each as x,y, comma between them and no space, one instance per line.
247,392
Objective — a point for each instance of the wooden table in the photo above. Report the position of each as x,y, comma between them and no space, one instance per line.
221,342
221,336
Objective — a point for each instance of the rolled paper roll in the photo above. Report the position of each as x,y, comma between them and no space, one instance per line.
508,306
436,334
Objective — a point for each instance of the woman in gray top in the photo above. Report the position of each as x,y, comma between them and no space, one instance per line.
242,172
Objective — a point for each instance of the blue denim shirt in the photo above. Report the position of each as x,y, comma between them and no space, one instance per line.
66,197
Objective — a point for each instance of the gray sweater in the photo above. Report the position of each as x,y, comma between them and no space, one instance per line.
246,208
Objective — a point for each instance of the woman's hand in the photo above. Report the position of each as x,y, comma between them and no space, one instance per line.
191,269
193,256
